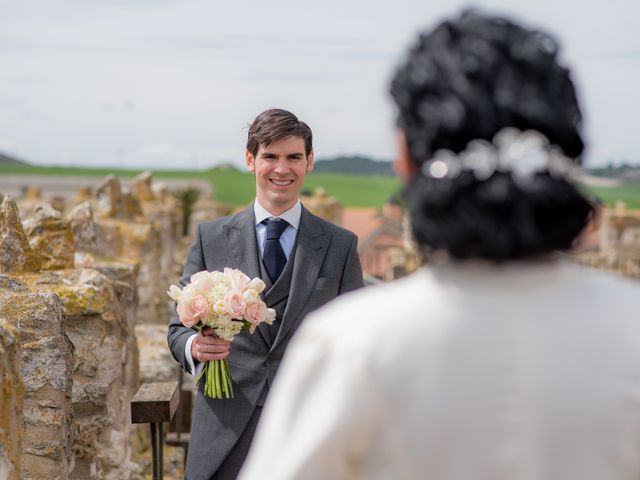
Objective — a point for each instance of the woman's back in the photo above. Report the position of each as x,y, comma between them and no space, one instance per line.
515,372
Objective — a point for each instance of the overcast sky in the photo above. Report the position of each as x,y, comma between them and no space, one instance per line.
173,84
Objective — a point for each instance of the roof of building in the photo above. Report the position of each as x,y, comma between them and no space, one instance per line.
362,221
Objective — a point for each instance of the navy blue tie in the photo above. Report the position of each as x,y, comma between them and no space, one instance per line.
273,257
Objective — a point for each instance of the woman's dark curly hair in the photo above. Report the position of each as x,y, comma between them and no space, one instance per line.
468,79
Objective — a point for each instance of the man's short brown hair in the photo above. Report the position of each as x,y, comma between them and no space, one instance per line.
276,124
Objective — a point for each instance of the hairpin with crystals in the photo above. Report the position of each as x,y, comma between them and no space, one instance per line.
523,154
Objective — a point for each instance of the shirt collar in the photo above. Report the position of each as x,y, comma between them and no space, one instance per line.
292,215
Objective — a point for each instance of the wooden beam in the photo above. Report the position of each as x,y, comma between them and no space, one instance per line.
155,402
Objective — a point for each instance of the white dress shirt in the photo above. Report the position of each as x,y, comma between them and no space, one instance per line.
287,240
518,372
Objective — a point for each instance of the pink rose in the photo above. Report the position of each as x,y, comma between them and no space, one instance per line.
235,304
186,315
195,310
255,312
200,307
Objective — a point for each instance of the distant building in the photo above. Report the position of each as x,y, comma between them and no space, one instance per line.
385,252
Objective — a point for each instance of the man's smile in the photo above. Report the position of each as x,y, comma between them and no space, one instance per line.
280,183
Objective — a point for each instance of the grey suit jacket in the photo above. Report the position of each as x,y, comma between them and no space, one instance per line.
325,264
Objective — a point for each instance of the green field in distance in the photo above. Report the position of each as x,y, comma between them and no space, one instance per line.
236,188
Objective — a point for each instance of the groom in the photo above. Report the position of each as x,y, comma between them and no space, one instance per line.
305,262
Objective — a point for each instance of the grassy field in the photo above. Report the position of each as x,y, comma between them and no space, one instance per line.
628,193
236,188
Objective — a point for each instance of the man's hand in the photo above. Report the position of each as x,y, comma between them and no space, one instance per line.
208,346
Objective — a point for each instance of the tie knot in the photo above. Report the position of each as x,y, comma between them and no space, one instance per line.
275,227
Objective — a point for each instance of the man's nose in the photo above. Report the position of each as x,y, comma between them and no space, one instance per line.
281,166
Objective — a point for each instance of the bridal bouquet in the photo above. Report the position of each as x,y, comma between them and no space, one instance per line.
228,302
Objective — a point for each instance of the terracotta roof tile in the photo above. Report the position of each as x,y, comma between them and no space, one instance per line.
361,221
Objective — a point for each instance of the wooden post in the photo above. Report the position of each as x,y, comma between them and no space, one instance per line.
155,403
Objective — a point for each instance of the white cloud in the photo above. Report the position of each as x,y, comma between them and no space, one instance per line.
159,155
7,145
100,82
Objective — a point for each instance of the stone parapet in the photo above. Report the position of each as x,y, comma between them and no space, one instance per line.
11,400
77,353
147,235
74,290
45,359
99,387
16,254
51,237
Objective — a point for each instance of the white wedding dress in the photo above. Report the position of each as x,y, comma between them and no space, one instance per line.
467,372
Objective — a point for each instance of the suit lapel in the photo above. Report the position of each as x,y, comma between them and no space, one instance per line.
241,235
311,248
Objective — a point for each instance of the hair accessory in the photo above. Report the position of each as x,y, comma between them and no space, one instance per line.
523,154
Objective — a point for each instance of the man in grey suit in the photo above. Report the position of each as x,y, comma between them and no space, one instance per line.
305,262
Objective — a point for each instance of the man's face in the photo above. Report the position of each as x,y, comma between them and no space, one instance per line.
280,168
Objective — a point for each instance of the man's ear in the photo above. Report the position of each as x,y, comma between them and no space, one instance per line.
310,160
251,164
402,165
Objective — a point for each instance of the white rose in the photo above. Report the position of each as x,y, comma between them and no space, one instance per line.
270,316
250,296
257,284
174,292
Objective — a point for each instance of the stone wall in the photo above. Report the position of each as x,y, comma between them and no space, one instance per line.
139,223
144,230
74,291
45,360
11,397
94,322
77,351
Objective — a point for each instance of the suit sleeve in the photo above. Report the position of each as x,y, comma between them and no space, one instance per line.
178,333
352,273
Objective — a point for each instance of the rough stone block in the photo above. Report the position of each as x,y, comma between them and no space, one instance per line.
84,228
35,314
16,255
51,237
44,358
11,398
46,362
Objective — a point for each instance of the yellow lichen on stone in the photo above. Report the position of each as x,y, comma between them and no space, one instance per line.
81,300
77,298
